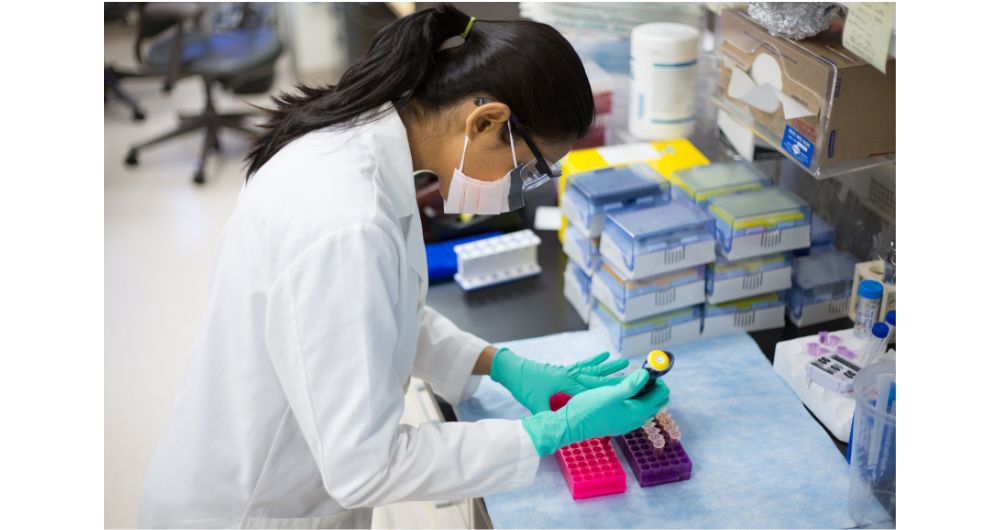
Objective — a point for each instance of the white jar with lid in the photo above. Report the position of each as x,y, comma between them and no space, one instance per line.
664,63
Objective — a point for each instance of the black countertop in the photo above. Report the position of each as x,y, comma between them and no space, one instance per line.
536,306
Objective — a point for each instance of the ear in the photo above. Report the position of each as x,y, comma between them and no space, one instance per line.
487,119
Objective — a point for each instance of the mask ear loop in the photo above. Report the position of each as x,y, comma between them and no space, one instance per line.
513,154
461,164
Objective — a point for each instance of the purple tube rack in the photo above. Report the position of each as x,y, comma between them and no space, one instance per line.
652,467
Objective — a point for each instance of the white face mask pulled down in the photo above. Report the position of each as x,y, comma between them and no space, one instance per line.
473,196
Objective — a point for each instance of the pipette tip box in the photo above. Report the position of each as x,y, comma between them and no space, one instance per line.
760,222
749,314
726,281
497,260
631,300
591,195
577,288
652,466
582,250
822,238
700,183
648,242
821,287
657,332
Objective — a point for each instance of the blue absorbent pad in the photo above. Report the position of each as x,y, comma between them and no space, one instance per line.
759,459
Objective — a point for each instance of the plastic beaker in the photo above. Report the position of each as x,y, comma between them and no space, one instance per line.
872,490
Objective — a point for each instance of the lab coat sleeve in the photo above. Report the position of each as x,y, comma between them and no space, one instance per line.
332,326
446,356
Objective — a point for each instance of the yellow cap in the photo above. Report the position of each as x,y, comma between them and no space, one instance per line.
658,360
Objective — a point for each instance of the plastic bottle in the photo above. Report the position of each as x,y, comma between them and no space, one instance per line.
890,318
664,65
869,302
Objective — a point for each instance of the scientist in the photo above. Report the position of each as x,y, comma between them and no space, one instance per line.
289,413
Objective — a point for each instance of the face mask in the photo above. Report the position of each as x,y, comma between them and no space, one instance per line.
469,195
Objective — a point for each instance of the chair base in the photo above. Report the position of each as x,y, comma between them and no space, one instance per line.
210,121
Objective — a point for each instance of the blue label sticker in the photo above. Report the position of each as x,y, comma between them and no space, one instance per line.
798,146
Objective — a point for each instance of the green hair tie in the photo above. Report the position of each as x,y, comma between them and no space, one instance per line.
468,27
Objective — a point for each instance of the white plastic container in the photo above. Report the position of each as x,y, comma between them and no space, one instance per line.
581,250
576,289
726,281
664,64
631,300
630,339
649,242
750,314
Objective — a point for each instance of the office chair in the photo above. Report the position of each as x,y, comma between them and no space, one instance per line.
240,59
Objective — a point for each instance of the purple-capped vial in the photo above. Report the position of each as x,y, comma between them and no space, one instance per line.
813,349
833,340
824,336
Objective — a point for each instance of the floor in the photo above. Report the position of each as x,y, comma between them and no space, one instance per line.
160,234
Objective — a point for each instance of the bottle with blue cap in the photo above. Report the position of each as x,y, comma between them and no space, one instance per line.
869,302
890,319
875,347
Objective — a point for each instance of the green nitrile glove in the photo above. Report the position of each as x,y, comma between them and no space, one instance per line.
604,411
532,383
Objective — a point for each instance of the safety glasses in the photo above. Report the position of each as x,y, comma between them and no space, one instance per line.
535,172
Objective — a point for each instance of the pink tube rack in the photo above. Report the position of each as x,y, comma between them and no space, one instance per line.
591,467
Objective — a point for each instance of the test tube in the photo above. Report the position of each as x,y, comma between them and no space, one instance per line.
875,346
867,308
824,336
890,319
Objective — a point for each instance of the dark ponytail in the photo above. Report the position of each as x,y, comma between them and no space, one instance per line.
527,65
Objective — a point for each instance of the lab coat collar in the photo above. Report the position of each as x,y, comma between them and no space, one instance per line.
392,153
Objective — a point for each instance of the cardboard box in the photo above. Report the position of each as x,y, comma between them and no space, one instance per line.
830,105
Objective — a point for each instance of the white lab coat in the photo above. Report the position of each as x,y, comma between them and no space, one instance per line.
289,413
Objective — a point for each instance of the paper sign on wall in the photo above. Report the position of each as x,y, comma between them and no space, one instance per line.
868,31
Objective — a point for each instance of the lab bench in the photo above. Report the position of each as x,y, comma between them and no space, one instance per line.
536,307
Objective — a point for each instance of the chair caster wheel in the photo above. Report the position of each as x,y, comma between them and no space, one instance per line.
132,158
199,177
138,115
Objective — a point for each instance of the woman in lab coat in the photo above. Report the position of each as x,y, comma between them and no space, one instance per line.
289,414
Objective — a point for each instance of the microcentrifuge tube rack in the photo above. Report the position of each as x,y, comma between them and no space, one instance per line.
655,453
497,260
590,467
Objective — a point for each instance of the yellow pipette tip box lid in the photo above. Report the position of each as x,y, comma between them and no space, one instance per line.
701,183
742,218
665,157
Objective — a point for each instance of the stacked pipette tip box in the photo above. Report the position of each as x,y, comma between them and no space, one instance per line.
756,229
654,452
497,260
587,200
648,291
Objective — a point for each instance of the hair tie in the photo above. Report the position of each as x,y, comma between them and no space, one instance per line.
468,27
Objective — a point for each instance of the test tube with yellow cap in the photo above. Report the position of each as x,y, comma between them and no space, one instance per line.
657,363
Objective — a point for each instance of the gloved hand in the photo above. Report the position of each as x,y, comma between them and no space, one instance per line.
532,383
604,411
